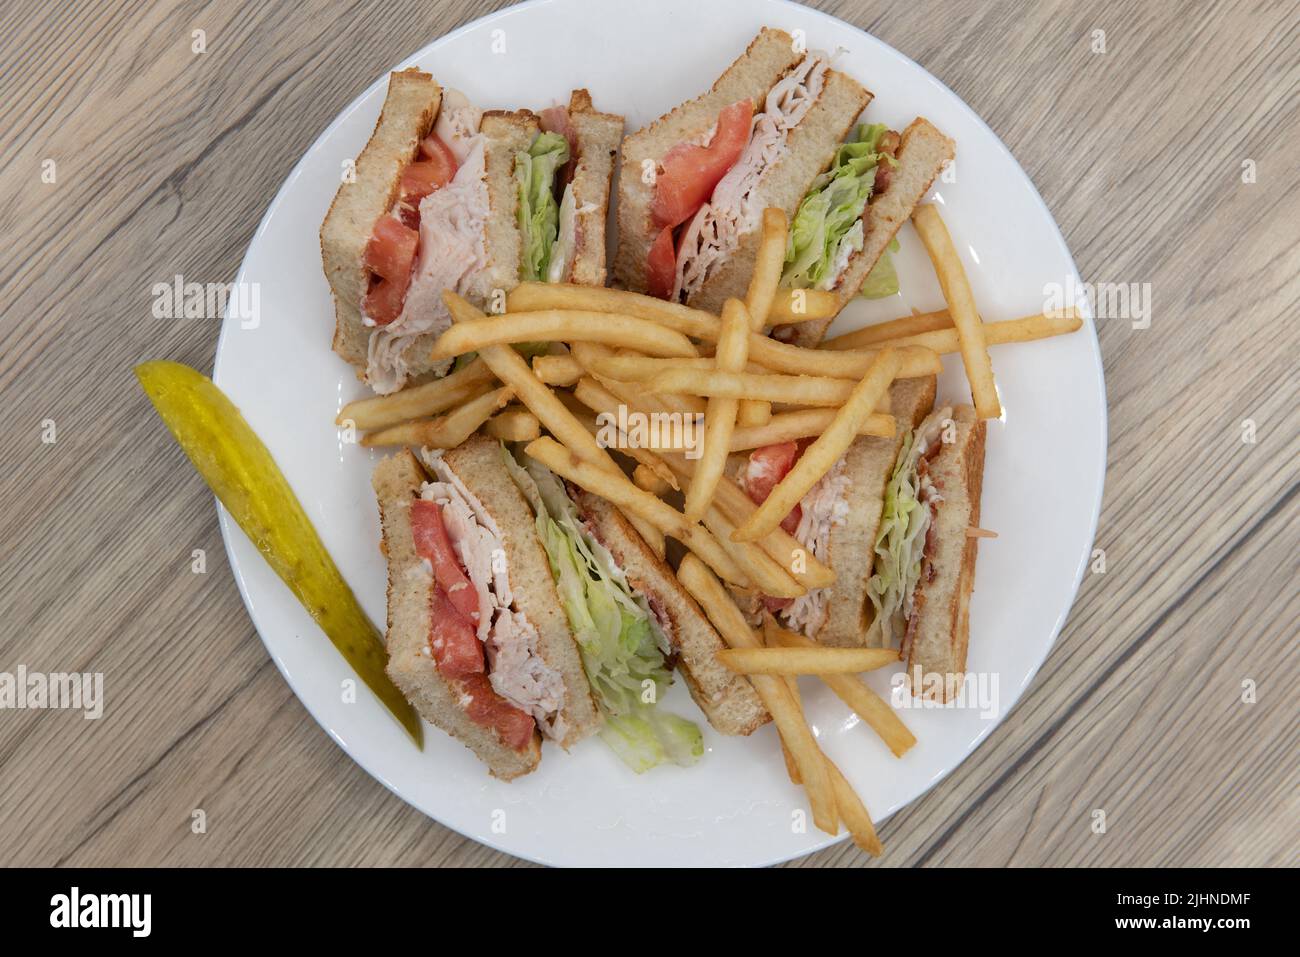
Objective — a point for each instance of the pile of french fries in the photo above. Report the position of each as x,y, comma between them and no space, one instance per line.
613,350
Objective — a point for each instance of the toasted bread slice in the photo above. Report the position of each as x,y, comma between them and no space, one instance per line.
598,138
727,699
408,114
939,633
397,481
598,135
508,133
869,462
767,58
811,147
922,154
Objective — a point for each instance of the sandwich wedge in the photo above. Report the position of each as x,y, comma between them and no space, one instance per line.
776,130
634,622
447,196
771,123
924,569
477,638
837,521
842,231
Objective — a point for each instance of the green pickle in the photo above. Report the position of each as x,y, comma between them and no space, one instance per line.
241,472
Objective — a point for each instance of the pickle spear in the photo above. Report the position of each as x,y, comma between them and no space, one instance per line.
239,469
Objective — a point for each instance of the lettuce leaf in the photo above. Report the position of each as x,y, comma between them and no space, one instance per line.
539,214
882,281
900,543
830,211
622,646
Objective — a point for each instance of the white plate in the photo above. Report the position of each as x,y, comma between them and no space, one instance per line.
1042,486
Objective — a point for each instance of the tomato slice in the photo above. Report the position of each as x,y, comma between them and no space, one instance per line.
435,151
776,604
391,249
767,466
661,265
691,172
419,179
433,542
383,302
456,648
489,709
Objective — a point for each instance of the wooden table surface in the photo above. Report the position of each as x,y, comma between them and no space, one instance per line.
166,161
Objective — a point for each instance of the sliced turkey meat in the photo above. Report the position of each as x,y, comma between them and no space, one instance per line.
451,255
516,671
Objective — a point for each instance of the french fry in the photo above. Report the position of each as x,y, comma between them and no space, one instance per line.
513,425
913,361
767,575
872,336
561,371
444,432
961,306
1025,329
781,427
653,536
800,390
819,457
807,661
791,768
854,812
753,413
732,502
648,480
803,423
538,296
865,703
780,359
720,414
593,356
419,401
768,263
637,397
618,489
593,396
563,325
510,367
596,397
627,367
800,305
775,695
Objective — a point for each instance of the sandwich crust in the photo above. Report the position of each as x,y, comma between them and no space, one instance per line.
768,56
940,631
598,135
507,134
409,111
727,699
396,481
922,153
